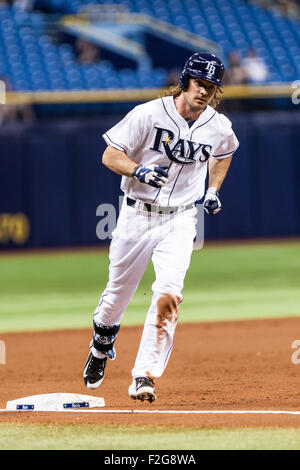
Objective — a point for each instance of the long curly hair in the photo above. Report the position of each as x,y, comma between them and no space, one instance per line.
175,91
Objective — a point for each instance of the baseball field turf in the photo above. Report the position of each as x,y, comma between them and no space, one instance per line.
59,290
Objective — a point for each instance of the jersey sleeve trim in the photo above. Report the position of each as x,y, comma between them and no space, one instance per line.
112,143
225,154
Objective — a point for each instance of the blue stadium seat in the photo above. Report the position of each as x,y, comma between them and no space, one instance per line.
26,48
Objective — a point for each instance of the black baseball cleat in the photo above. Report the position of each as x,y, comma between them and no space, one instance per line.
142,388
93,373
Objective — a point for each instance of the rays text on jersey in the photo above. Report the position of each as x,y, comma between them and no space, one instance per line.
183,151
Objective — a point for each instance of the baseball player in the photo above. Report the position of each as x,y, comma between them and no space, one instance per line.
162,149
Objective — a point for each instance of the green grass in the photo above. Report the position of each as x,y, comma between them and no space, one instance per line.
99,437
61,290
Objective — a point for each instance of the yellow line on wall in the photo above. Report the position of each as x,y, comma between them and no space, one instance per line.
139,95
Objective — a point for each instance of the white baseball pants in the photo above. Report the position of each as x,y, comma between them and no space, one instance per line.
168,239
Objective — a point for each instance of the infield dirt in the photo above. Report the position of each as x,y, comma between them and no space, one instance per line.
242,365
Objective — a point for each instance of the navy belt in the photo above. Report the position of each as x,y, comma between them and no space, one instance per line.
154,208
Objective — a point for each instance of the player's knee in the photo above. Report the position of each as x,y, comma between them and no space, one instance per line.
167,307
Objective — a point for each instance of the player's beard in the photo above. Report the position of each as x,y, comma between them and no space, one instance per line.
195,106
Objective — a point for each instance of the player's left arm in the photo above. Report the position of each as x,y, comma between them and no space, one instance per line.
218,170
217,173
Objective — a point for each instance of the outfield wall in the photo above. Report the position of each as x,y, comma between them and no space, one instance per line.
52,181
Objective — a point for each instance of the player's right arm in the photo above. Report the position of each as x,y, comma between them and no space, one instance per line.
120,163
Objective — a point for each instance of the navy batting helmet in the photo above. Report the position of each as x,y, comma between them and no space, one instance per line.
203,65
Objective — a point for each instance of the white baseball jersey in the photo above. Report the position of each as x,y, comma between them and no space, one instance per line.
155,133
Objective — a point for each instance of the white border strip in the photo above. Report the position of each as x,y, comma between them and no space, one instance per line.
203,412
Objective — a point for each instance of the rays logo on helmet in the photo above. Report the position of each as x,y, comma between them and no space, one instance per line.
210,68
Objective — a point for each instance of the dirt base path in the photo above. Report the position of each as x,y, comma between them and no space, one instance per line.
242,365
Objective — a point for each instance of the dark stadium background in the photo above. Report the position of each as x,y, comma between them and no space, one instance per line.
74,68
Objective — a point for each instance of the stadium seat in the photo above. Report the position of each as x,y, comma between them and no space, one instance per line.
32,60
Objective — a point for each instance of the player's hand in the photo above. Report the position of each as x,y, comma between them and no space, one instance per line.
155,175
212,203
